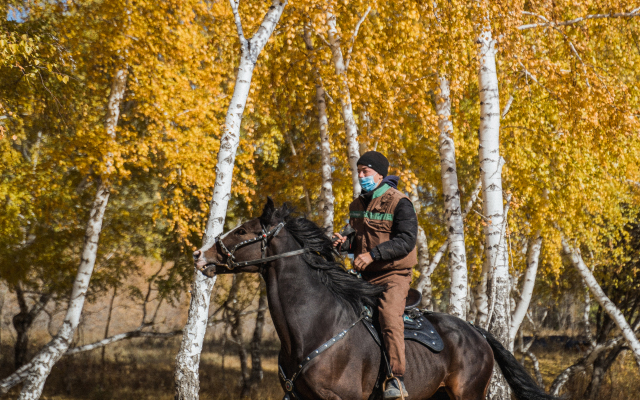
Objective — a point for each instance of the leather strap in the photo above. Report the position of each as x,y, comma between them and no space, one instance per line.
289,382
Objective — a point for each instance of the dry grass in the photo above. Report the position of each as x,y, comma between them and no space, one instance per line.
143,369
622,381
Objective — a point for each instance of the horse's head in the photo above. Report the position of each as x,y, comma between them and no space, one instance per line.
233,251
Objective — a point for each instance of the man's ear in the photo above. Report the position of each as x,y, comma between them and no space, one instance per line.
267,212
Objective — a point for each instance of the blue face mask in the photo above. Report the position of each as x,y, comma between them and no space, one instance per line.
367,183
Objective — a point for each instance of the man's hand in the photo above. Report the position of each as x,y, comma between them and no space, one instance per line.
340,239
362,261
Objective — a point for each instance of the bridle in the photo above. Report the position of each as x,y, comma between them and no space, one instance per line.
264,238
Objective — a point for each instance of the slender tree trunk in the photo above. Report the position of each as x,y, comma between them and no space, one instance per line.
37,370
481,297
43,362
533,258
536,368
300,168
492,201
237,335
600,367
581,365
257,373
325,147
424,281
188,358
3,293
611,309
452,208
106,327
350,127
422,246
585,316
22,323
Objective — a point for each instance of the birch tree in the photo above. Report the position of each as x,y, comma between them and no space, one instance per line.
326,192
533,257
188,358
37,370
601,297
350,126
452,208
491,163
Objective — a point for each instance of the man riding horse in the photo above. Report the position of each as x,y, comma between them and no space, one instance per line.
384,247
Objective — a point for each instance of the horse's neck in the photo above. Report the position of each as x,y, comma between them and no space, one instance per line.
303,310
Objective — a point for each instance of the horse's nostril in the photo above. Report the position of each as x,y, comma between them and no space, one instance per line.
196,254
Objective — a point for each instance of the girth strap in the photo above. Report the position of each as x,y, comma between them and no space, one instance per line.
289,382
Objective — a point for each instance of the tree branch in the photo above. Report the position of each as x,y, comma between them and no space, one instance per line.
116,338
631,14
353,38
238,21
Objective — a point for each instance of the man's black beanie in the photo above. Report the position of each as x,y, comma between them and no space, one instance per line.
376,161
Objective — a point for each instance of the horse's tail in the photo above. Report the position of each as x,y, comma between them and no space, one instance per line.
522,384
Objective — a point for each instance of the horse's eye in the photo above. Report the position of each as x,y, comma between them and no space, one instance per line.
241,232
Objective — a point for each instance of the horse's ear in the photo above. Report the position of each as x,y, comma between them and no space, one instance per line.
267,212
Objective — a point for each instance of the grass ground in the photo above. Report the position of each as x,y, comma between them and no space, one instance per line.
143,369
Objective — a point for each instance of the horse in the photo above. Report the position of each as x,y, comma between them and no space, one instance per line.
315,305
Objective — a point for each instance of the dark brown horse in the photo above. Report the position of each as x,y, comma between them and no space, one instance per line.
312,298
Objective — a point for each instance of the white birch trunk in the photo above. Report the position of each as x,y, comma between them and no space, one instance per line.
601,297
481,297
350,127
43,362
326,193
452,208
35,373
492,201
422,246
188,358
533,258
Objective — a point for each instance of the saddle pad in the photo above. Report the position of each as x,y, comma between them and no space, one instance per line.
419,329
416,328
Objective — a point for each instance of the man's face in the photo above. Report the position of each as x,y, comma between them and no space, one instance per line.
363,171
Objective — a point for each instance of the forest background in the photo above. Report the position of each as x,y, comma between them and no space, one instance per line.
513,126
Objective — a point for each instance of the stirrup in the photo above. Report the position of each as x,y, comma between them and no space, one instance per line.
400,386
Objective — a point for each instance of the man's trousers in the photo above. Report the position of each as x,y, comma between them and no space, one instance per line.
390,310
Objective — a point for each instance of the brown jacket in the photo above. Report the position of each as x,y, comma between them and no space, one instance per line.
373,227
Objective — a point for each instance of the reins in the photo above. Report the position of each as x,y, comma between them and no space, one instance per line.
230,262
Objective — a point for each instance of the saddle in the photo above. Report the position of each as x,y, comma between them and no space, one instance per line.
416,326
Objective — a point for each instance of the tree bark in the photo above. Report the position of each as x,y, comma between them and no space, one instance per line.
41,365
581,365
188,358
37,370
611,309
350,127
108,323
600,367
481,297
3,293
326,193
122,336
22,323
452,208
255,346
237,333
422,246
533,258
536,368
492,200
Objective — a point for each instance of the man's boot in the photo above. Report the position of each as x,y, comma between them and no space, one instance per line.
395,389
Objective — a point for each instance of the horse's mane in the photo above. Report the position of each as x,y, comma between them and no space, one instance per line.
349,290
